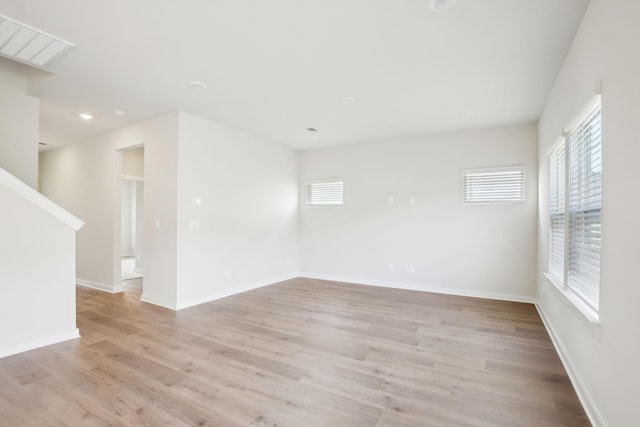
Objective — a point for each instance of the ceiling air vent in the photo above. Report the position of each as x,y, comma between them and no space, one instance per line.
28,45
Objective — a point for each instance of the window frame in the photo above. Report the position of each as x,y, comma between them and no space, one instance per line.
579,179
310,183
481,197
559,150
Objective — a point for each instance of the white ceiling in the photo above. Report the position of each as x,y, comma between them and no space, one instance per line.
277,67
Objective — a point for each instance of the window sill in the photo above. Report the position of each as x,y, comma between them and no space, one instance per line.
589,313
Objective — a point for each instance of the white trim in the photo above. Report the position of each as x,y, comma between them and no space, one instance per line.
133,178
159,301
493,169
236,290
583,113
39,342
425,288
583,392
556,144
31,195
99,286
572,299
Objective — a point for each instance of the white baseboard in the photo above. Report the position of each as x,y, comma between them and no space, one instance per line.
228,292
40,342
162,302
425,288
583,394
99,286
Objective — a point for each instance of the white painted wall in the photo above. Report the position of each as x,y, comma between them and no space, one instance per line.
455,248
37,305
602,360
133,162
85,178
19,115
248,217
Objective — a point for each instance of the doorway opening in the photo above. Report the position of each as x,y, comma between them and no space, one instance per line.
132,220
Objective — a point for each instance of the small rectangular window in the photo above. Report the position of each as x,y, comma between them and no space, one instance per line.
329,192
493,185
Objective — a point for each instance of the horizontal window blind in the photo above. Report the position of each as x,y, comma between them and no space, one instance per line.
585,205
325,192
493,185
557,211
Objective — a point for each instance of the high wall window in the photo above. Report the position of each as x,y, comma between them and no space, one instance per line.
575,205
493,185
325,192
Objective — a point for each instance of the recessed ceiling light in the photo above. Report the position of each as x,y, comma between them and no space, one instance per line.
42,143
121,114
312,130
85,116
197,85
348,100
441,5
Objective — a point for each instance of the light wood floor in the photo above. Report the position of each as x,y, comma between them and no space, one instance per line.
299,353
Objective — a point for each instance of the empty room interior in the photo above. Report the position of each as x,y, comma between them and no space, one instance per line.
319,213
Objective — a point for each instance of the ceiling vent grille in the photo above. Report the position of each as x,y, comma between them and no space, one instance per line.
28,45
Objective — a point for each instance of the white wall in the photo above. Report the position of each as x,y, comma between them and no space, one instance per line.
85,178
602,360
472,250
133,162
19,115
248,217
37,305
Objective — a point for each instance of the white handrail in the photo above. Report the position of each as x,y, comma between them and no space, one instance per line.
31,195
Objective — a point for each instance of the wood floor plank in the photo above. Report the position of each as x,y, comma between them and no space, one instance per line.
303,352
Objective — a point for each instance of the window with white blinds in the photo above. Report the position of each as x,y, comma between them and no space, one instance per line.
493,185
585,205
557,210
575,205
325,192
